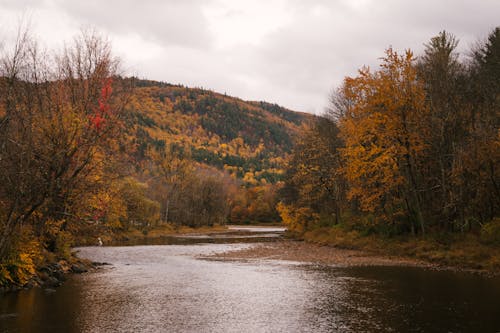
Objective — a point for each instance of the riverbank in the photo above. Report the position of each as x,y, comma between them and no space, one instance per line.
52,273
457,251
109,237
301,251
52,269
334,246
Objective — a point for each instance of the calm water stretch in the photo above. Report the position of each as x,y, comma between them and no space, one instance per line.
168,288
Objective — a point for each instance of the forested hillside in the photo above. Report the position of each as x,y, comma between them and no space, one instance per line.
249,140
201,157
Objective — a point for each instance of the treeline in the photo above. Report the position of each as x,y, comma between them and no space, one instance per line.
191,194
410,148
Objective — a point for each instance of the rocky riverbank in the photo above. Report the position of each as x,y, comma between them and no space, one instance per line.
52,275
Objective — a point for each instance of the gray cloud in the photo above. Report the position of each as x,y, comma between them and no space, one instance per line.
165,22
291,52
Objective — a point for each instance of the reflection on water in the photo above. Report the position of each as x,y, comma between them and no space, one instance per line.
165,288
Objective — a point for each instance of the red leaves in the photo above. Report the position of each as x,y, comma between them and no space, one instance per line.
102,112
97,121
106,91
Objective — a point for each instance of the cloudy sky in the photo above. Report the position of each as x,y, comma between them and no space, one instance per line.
290,52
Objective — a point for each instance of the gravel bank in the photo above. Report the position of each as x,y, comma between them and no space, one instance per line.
312,253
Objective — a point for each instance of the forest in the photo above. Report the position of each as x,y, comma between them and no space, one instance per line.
410,149
87,153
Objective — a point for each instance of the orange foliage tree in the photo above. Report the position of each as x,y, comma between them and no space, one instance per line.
384,129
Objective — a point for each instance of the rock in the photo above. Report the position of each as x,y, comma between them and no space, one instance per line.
97,264
15,288
59,275
8,315
43,275
30,284
57,266
79,268
45,269
52,282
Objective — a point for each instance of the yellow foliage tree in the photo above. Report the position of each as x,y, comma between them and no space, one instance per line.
297,219
384,129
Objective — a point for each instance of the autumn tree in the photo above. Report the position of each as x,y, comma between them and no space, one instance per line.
413,146
188,195
253,203
314,191
59,113
385,132
172,168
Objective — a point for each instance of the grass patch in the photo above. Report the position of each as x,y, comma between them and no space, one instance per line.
464,251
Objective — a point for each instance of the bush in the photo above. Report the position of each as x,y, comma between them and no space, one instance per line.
298,219
20,266
490,232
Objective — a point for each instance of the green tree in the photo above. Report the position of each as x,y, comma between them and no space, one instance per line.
442,75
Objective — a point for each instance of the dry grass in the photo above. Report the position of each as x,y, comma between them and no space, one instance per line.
457,251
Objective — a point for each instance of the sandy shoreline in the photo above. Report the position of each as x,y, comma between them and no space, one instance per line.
301,251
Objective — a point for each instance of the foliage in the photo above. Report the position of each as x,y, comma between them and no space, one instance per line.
59,116
490,232
220,131
254,204
384,132
297,219
185,194
412,147
20,264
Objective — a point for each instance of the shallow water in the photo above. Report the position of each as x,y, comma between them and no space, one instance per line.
167,288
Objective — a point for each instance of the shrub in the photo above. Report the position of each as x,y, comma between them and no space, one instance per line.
490,232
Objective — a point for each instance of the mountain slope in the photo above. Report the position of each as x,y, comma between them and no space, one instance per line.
249,140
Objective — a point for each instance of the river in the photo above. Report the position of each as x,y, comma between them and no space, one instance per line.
169,288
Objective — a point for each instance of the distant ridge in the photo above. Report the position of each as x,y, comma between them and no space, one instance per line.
248,139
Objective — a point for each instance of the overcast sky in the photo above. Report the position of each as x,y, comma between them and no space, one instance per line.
289,52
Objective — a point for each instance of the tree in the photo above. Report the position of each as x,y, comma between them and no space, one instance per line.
384,132
477,170
188,195
442,75
58,114
314,190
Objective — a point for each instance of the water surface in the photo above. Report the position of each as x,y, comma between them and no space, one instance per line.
168,288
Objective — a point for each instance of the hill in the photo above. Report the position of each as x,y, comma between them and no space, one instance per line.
249,140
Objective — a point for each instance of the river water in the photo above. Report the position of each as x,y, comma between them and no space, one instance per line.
169,288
